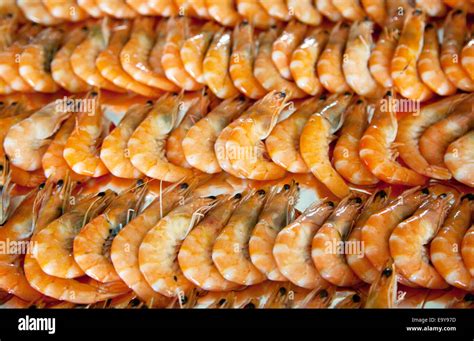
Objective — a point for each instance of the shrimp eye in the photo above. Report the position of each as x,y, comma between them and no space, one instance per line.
261,192
359,101
356,298
358,200
249,306
135,302
1,168
2,103
183,299
184,185
425,191
85,29
442,196
212,197
387,272
221,302
345,25
381,194
9,15
94,93
323,293
238,196
347,93
14,103
281,94
468,196
150,102
60,183
282,291
140,182
101,194
429,26
244,22
286,187
273,27
469,297
41,186
389,93
241,98
459,11
417,12
323,97
330,204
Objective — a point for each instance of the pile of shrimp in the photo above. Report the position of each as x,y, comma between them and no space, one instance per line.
366,48
151,244
343,141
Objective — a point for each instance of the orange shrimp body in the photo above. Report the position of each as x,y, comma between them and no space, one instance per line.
429,66
304,59
314,144
230,252
380,59
195,254
66,9
292,249
91,7
276,8
37,12
253,12
459,159
404,71
467,250
81,149
117,8
326,246
223,11
383,291
445,248
330,62
451,48
376,10
305,11
350,9
409,239
467,58
346,157
412,126
275,215
242,60
327,9
378,152
379,226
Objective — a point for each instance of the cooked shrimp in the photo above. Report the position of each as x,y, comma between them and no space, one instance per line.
283,143
147,145
408,243
114,153
346,157
142,7
412,126
195,254
434,8
61,68
174,149
198,144
216,63
454,36
329,243
125,245
376,10
253,12
445,249
356,58
85,54
429,66
67,10
383,291
467,58
230,252
18,229
304,59
53,244
379,226
36,58
284,46
108,63
459,159
91,247
117,8
350,9
240,149
315,138
137,53
199,6
194,48
91,7
327,9
356,259
223,11
164,8
292,249
27,141
37,12
403,70
54,165
378,151
275,215
81,149
467,248
330,62
177,30
305,11
266,72
242,61
158,252
276,8
437,137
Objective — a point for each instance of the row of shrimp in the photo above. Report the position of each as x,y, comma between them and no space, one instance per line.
183,135
146,56
163,246
262,13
